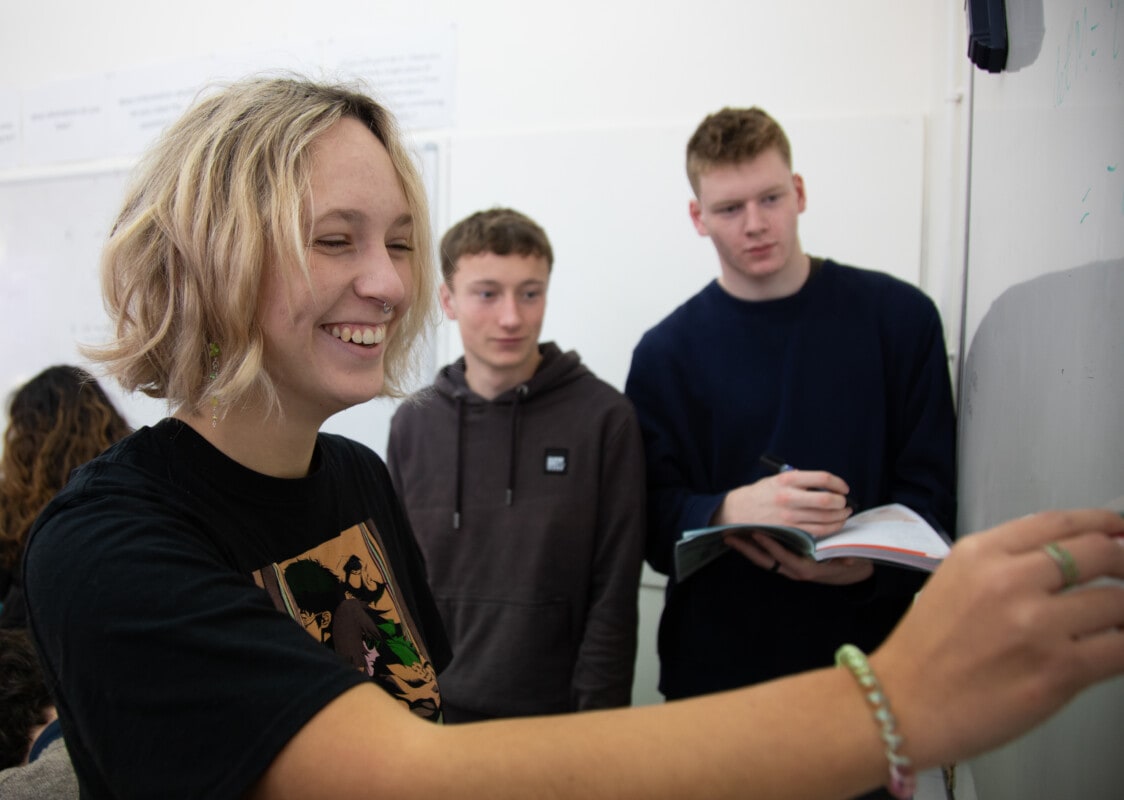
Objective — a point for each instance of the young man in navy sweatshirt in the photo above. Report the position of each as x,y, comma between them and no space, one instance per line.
841,372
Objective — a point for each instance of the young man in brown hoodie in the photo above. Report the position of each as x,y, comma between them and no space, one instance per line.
523,477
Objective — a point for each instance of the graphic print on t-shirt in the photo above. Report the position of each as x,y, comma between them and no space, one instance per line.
343,592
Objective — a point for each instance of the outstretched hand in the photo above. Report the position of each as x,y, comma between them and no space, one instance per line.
997,642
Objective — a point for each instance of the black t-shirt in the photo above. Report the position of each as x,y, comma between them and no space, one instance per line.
154,582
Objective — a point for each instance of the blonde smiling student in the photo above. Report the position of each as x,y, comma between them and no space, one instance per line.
270,268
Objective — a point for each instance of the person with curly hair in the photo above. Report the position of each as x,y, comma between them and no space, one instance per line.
57,421
33,759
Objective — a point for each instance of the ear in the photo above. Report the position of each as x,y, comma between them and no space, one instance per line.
448,303
695,211
801,196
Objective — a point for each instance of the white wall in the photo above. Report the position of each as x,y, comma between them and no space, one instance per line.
597,98
588,68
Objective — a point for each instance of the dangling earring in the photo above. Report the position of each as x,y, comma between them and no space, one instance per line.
213,350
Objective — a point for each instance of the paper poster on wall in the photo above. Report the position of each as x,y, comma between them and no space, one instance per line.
142,102
9,128
117,115
409,69
66,121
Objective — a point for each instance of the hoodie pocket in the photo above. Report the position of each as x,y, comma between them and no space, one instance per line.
509,658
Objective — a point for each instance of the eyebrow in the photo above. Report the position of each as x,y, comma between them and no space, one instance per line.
354,215
492,282
740,198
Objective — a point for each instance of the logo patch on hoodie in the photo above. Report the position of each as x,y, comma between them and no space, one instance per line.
555,461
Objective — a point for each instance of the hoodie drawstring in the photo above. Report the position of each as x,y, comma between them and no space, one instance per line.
521,392
460,462
513,446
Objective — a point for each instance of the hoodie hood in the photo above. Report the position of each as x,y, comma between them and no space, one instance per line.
554,371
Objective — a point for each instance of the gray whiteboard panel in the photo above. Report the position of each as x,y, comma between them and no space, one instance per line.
1042,416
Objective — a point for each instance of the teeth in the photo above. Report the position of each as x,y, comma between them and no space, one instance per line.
357,335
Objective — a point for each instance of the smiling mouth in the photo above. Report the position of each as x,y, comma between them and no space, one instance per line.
367,335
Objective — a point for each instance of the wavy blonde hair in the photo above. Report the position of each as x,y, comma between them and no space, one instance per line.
218,198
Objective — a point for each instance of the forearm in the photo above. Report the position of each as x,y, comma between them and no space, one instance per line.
726,745
992,647
806,737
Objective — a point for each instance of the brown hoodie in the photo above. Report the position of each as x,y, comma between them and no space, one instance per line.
530,512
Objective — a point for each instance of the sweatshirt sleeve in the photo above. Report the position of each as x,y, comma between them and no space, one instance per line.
607,655
664,412
922,423
393,444
920,429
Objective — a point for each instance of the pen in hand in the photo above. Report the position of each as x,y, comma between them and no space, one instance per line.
776,464
779,465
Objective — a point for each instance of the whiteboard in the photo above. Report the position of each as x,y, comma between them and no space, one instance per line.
1042,418
51,234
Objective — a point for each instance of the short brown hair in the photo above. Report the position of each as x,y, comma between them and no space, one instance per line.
502,231
217,201
731,136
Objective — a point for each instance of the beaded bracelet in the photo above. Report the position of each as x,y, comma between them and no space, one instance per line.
903,783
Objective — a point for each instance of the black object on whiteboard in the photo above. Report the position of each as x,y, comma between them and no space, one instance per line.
987,33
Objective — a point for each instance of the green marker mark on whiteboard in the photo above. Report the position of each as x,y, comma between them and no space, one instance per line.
1112,168
1083,218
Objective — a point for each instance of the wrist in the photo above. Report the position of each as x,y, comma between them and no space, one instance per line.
719,515
902,782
